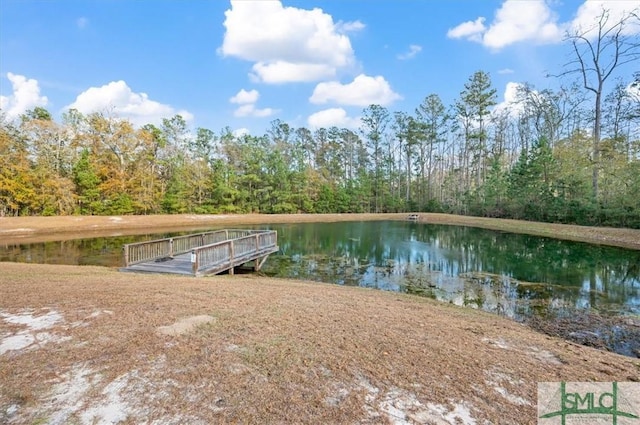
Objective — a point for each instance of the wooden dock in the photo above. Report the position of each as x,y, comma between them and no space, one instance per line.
202,253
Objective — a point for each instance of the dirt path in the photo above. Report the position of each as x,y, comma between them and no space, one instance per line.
88,345
38,229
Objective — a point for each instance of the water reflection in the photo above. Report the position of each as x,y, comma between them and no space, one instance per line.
513,275
94,251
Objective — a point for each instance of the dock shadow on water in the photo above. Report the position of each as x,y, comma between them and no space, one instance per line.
585,293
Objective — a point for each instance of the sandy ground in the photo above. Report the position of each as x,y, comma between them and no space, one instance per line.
90,345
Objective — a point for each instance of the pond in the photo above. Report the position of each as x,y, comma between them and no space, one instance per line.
587,293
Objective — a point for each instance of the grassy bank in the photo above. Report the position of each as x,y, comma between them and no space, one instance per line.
272,351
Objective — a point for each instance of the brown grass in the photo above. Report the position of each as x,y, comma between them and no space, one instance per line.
277,352
38,229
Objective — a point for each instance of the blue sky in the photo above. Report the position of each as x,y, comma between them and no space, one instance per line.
245,63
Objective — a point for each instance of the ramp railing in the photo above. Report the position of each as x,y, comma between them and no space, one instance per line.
140,252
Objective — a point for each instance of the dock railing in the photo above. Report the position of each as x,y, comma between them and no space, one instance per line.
140,252
234,251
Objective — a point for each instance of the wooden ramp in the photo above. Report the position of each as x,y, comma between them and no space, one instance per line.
202,253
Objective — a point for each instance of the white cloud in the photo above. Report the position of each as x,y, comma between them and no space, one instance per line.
118,98
25,96
250,110
244,96
590,11
534,21
279,72
362,91
82,22
247,101
505,71
471,30
353,26
514,103
239,132
511,104
332,117
518,20
514,21
414,49
287,44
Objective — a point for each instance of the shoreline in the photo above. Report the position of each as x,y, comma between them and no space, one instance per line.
90,344
42,229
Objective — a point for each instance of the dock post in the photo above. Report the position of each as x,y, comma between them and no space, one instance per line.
260,262
171,248
194,262
126,255
232,252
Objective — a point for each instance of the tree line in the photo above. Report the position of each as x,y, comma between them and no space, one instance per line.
555,155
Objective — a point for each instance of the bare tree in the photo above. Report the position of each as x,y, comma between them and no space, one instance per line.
598,51
546,112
